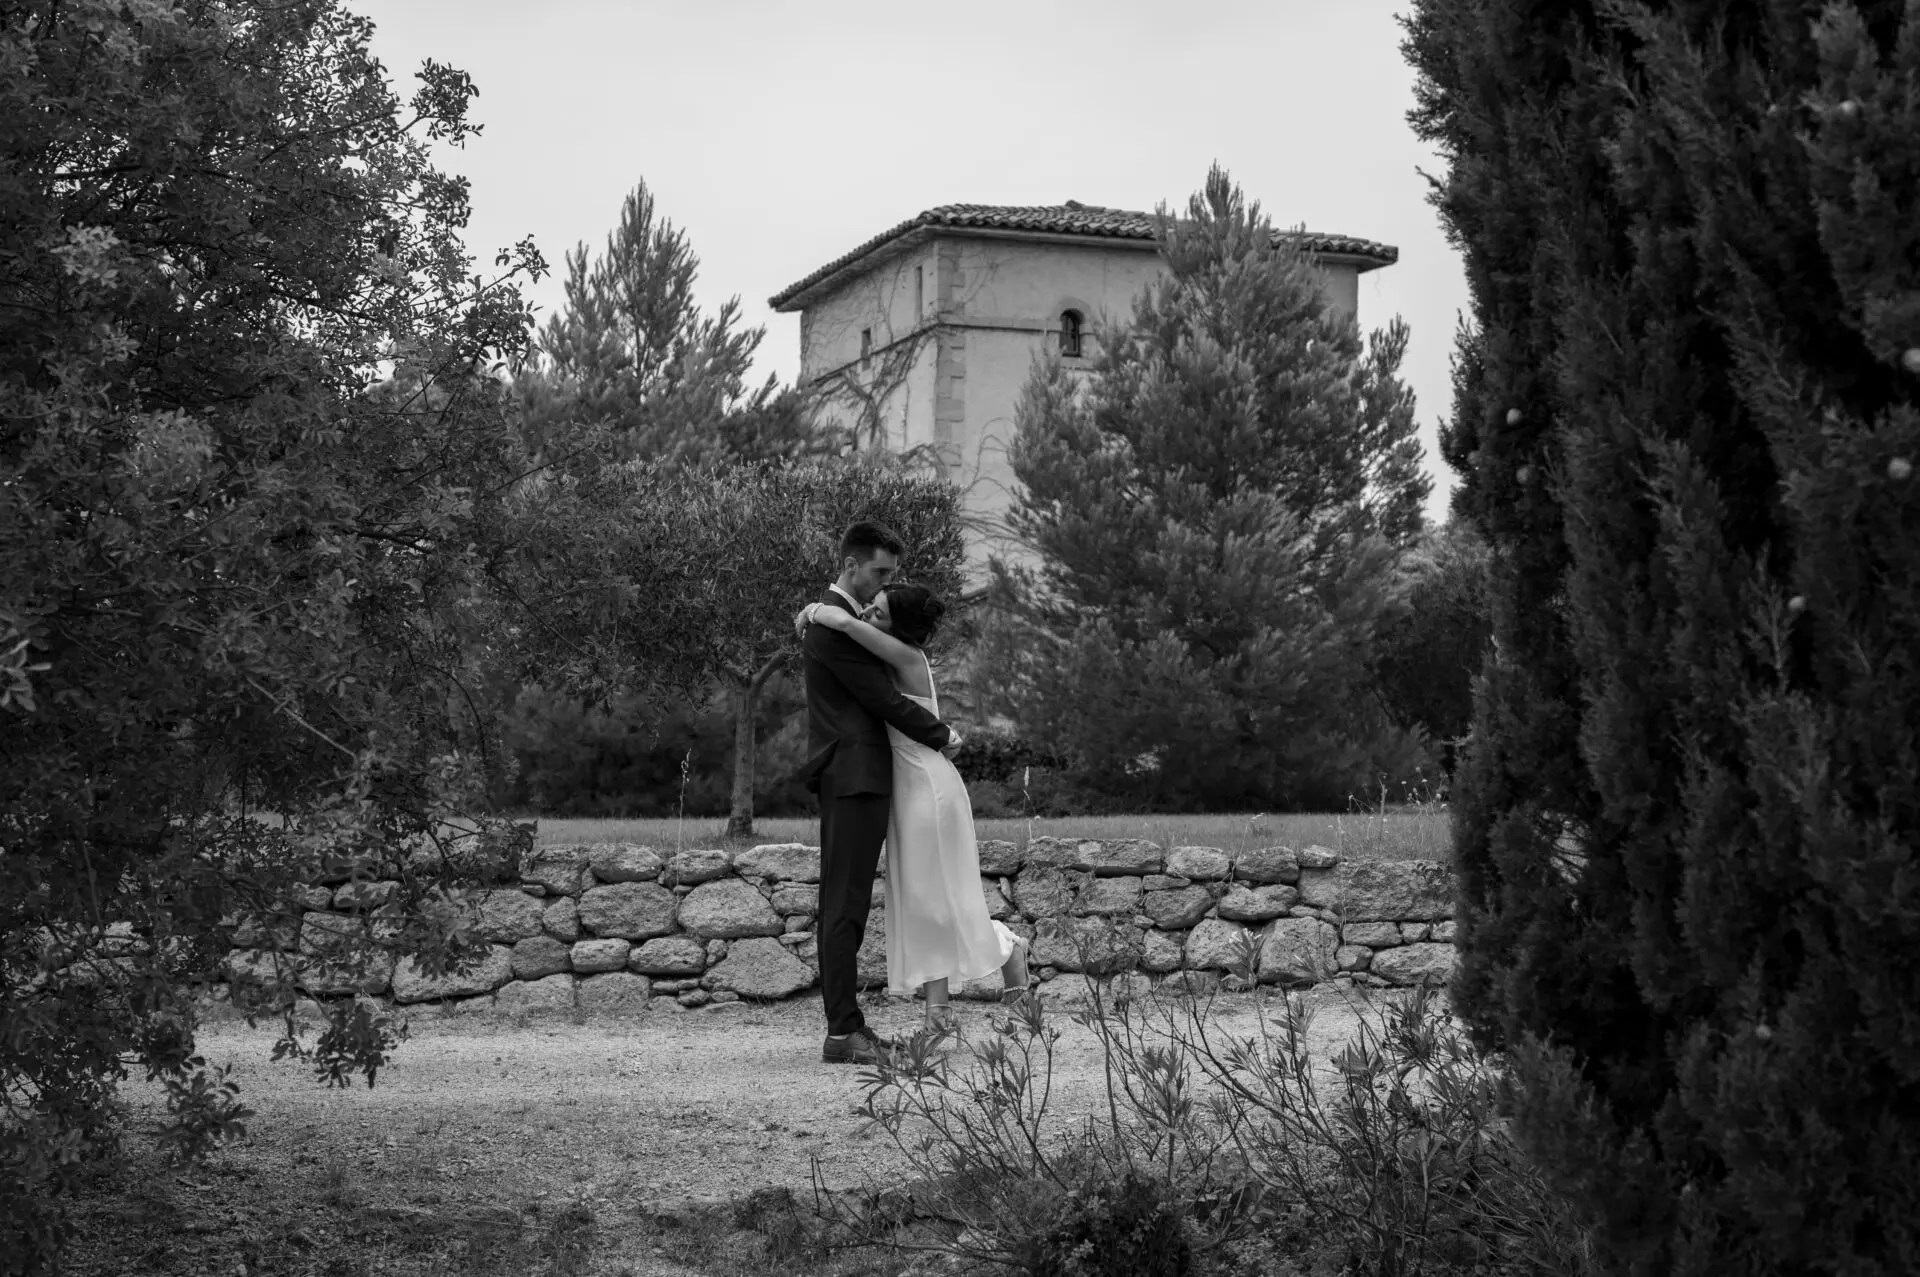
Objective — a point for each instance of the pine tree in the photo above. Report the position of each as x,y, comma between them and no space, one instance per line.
1689,413
1216,512
631,367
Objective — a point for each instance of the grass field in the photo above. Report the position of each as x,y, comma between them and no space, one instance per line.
1407,834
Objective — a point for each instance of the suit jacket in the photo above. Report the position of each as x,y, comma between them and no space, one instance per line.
850,701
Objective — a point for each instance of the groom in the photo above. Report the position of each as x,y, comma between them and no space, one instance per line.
850,701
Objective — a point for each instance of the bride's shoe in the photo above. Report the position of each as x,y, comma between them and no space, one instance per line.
941,1018
1020,984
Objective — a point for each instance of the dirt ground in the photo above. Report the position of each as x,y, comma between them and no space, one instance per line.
545,1147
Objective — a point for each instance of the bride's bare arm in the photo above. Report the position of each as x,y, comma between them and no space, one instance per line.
879,642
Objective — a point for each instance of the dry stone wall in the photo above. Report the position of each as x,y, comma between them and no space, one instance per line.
609,928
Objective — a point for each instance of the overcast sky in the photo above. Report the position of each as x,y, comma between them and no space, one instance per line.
782,134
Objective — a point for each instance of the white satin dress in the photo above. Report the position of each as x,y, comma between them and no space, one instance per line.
937,923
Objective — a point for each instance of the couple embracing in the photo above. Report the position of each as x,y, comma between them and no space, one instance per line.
878,761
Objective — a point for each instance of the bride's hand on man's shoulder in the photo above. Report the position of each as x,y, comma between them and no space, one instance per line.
800,620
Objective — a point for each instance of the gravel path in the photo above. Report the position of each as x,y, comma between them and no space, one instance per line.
479,1123
673,1104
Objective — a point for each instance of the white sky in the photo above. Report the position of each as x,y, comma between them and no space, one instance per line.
782,133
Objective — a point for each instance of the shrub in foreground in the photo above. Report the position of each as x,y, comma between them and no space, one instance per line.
1214,1153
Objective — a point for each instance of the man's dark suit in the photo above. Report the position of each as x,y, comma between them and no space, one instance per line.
850,701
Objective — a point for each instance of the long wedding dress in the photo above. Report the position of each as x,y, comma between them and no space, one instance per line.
937,923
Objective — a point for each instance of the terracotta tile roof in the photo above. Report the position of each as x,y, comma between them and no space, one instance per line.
1071,218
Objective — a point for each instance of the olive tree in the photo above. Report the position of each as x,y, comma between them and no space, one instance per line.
248,432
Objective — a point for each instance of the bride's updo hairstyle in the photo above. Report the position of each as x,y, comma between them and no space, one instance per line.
915,612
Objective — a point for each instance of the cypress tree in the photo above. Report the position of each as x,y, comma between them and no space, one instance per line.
1687,423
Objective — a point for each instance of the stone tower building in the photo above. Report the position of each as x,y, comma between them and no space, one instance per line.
922,337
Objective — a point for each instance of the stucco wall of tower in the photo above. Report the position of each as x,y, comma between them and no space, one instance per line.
881,302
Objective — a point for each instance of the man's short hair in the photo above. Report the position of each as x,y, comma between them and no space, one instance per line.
862,540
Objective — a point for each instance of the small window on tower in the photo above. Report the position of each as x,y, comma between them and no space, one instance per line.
1070,330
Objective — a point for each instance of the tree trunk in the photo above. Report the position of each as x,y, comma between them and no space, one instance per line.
745,747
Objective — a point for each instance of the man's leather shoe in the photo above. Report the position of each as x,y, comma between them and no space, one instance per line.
862,1046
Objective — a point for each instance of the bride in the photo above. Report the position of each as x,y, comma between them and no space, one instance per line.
938,930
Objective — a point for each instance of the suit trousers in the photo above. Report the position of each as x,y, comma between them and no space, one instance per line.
852,830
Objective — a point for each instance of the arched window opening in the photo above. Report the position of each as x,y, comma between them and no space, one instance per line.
1071,328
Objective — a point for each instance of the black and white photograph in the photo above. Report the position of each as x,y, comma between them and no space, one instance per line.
758,639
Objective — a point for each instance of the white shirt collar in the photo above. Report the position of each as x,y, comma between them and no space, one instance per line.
853,603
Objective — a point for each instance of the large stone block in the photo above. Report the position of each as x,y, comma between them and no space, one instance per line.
1299,951
791,898
561,919
728,909
549,995
1318,857
1412,932
562,871
1093,945
616,994
671,956
625,862
1000,858
493,968
1110,857
322,931
338,954
1042,892
1118,857
870,963
363,897
1161,951
1202,864
538,957
257,966
369,973
1258,904
1423,963
1177,910
593,956
1353,957
1267,864
1215,944
1047,852
1108,896
780,861
505,915
310,896
1381,890
759,968
631,910
1374,935
687,868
